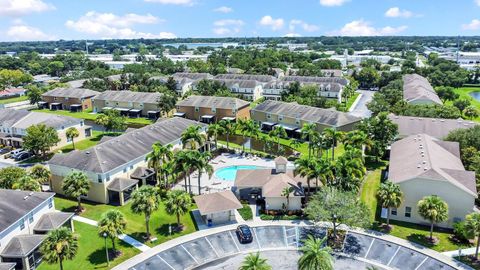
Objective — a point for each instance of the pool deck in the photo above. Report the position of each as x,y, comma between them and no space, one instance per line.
215,184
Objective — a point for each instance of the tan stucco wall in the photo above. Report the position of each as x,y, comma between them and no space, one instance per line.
86,103
190,113
276,203
97,193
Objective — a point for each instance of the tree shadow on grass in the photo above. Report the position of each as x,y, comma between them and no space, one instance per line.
98,257
165,231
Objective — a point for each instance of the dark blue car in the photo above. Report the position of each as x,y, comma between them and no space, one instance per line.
244,234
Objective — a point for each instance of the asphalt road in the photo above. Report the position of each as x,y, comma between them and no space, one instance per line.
361,109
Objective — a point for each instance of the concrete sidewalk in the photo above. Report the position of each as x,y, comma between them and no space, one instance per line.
460,252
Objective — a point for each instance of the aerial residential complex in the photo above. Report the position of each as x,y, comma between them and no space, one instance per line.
128,103
213,109
73,99
417,90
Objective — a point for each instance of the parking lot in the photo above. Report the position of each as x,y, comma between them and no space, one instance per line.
279,244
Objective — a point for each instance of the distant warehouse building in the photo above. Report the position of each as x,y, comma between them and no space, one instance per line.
292,117
417,90
208,109
73,99
129,103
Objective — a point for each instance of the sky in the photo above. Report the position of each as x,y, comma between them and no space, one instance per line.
26,20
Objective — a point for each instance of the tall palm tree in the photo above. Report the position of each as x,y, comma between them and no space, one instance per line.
333,136
323,171
278,133
309,132
178,203
433,209
27,183
71,134
113,224
145,200
357,139
315,255
183,163
229,127
59,245
243,129
102,120
348,173
215,130
76,185
253,261
41,173
472,225
304,167
390,196
295,144
252,129
193,137
160,154
202,164
286,193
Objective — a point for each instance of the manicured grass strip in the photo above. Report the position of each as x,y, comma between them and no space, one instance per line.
87,143
368,194
246,212
91,251
13,99
159,221
87,115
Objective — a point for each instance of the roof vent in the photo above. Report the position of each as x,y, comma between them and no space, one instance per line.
26,197
425,168
424,162
418,166
87,152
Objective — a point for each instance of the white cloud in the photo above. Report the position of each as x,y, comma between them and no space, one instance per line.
363,28
333,3
292,35
172,2
227,26
23,7
305,26
396,12
225,9
473,25
274,24
23,32
477,2
109,25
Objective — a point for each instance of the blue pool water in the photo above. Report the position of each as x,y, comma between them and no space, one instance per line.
229,173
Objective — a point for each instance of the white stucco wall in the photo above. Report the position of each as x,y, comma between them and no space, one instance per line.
276,203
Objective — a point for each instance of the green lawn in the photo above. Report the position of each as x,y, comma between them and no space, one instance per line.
91,251
350,101
159,222
87,143
88,115
369,191
13,99
464,93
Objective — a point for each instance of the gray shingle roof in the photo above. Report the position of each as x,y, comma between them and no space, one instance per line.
142,172
272,183
48,119
8,117
192,76
314,79
7,266
51,221
129,96
15,204
121,184
116,152
213,102
71,93
251,77
217,202
422,156
328,117
238,83
322,86
417,87
22,245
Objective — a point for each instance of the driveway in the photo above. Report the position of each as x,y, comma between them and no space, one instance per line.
360,109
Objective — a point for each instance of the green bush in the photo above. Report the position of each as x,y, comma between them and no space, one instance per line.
246,212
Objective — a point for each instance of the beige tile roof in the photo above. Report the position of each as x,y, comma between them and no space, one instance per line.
422,156
417,87
217,202
281,160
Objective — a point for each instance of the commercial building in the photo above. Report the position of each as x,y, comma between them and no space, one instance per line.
118,165
417,90
14,124
129,103
208,109
423,165
292,117
25,218
218,207
73,99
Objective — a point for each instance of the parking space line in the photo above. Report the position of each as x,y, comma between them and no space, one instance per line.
395,254
424,260
297,234
233,239
285,236
368,250
189,254
214,250
165,262
256,237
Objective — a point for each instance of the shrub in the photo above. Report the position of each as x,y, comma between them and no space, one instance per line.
246,212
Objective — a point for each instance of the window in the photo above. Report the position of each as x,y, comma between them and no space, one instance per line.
214,109
125,170
197,109
108,177
394,211
408,211
30,218
22,224
280,118
269,116
50,203
297,121
99,178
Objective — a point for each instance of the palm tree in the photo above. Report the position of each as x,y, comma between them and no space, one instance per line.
160,154
215,130
76,185
229,128
433,209
390,196
333,136
304,167
348,173
286,193
323,171
178,203
27,183
315,256
309,132
145,200
253,262
102,120
295,144
193,137
59,245
183,163
40,173
357,139
252,130
112,224
243,129
202,164
472,225
71,134
278,133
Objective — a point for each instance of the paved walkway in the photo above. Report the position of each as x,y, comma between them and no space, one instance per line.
461,252
127,239
359,108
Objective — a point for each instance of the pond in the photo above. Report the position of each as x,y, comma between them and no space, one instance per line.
475,95
269,148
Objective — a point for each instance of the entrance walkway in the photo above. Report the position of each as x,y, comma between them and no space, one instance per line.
125,238
460,252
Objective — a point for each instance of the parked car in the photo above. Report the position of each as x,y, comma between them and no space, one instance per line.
22,155
15,152
4,151
244,234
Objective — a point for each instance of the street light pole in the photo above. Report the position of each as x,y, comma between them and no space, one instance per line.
106,249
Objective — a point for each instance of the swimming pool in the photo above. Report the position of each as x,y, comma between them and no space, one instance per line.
229,173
